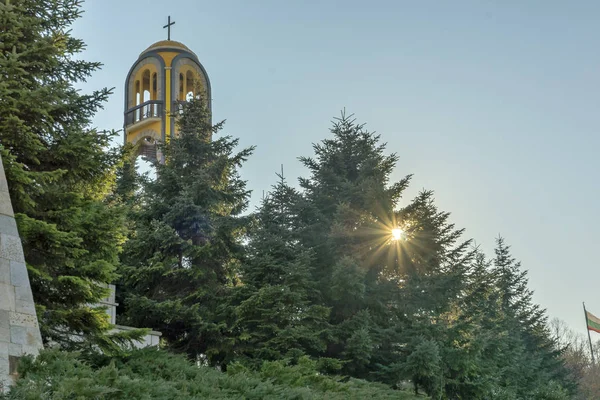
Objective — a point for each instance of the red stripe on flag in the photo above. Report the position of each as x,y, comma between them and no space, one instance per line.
593,329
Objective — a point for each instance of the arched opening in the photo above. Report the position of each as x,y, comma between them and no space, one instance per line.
154,87
147,156
148,148
190,89
146,93
146,80
137,93
138,101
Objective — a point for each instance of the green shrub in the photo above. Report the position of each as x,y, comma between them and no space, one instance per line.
155,374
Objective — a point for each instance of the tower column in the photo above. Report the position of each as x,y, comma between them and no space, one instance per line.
169,102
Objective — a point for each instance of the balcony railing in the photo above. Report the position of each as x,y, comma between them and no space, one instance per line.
148,109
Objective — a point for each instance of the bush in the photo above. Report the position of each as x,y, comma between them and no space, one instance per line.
156,374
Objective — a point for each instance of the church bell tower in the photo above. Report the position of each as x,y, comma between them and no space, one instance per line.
165,74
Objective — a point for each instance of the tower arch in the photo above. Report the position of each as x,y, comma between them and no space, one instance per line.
153,65
164,75
147,144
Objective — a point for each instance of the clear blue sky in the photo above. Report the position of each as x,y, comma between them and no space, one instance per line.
492,104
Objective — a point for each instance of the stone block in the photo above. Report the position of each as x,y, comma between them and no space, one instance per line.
4,336
4,270
7,297
10,247
18,319
23,293
31,350
3,184
18,274
22,335
8,225
4,368
25,307
3,350
5,204
5,320
34,338
18,335
15,349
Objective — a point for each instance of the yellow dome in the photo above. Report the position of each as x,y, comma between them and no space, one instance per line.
167,45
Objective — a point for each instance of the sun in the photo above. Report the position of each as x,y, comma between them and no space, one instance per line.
397,234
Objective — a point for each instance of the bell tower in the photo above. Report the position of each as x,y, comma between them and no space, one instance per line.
165,74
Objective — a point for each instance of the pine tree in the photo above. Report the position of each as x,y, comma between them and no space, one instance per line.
184,254
60,171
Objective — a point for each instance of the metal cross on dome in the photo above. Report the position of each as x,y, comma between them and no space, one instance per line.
168,26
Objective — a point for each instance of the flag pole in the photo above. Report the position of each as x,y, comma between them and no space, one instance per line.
589,337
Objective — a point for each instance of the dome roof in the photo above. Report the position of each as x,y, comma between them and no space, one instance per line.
167,45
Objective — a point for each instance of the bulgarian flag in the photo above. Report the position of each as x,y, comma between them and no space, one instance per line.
593,322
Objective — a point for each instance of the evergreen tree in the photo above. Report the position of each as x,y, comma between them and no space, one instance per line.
534,357
472,363
184,254
382,293
505,351
346,222
60,171
425,308
275,317
431,265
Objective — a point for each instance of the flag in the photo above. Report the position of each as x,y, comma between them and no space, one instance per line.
593,322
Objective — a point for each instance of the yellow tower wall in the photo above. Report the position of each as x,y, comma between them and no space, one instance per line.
159,70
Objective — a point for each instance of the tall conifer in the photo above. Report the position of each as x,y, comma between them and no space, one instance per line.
533,356
185,251
383,293
60,171
276,316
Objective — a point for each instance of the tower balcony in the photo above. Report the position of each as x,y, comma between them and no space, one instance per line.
151,110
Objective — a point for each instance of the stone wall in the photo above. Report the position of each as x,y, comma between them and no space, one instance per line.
19,330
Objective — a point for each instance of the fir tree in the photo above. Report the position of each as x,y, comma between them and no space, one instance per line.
275,317
60,171
533,358
382,293
346,222
430,270
185,251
